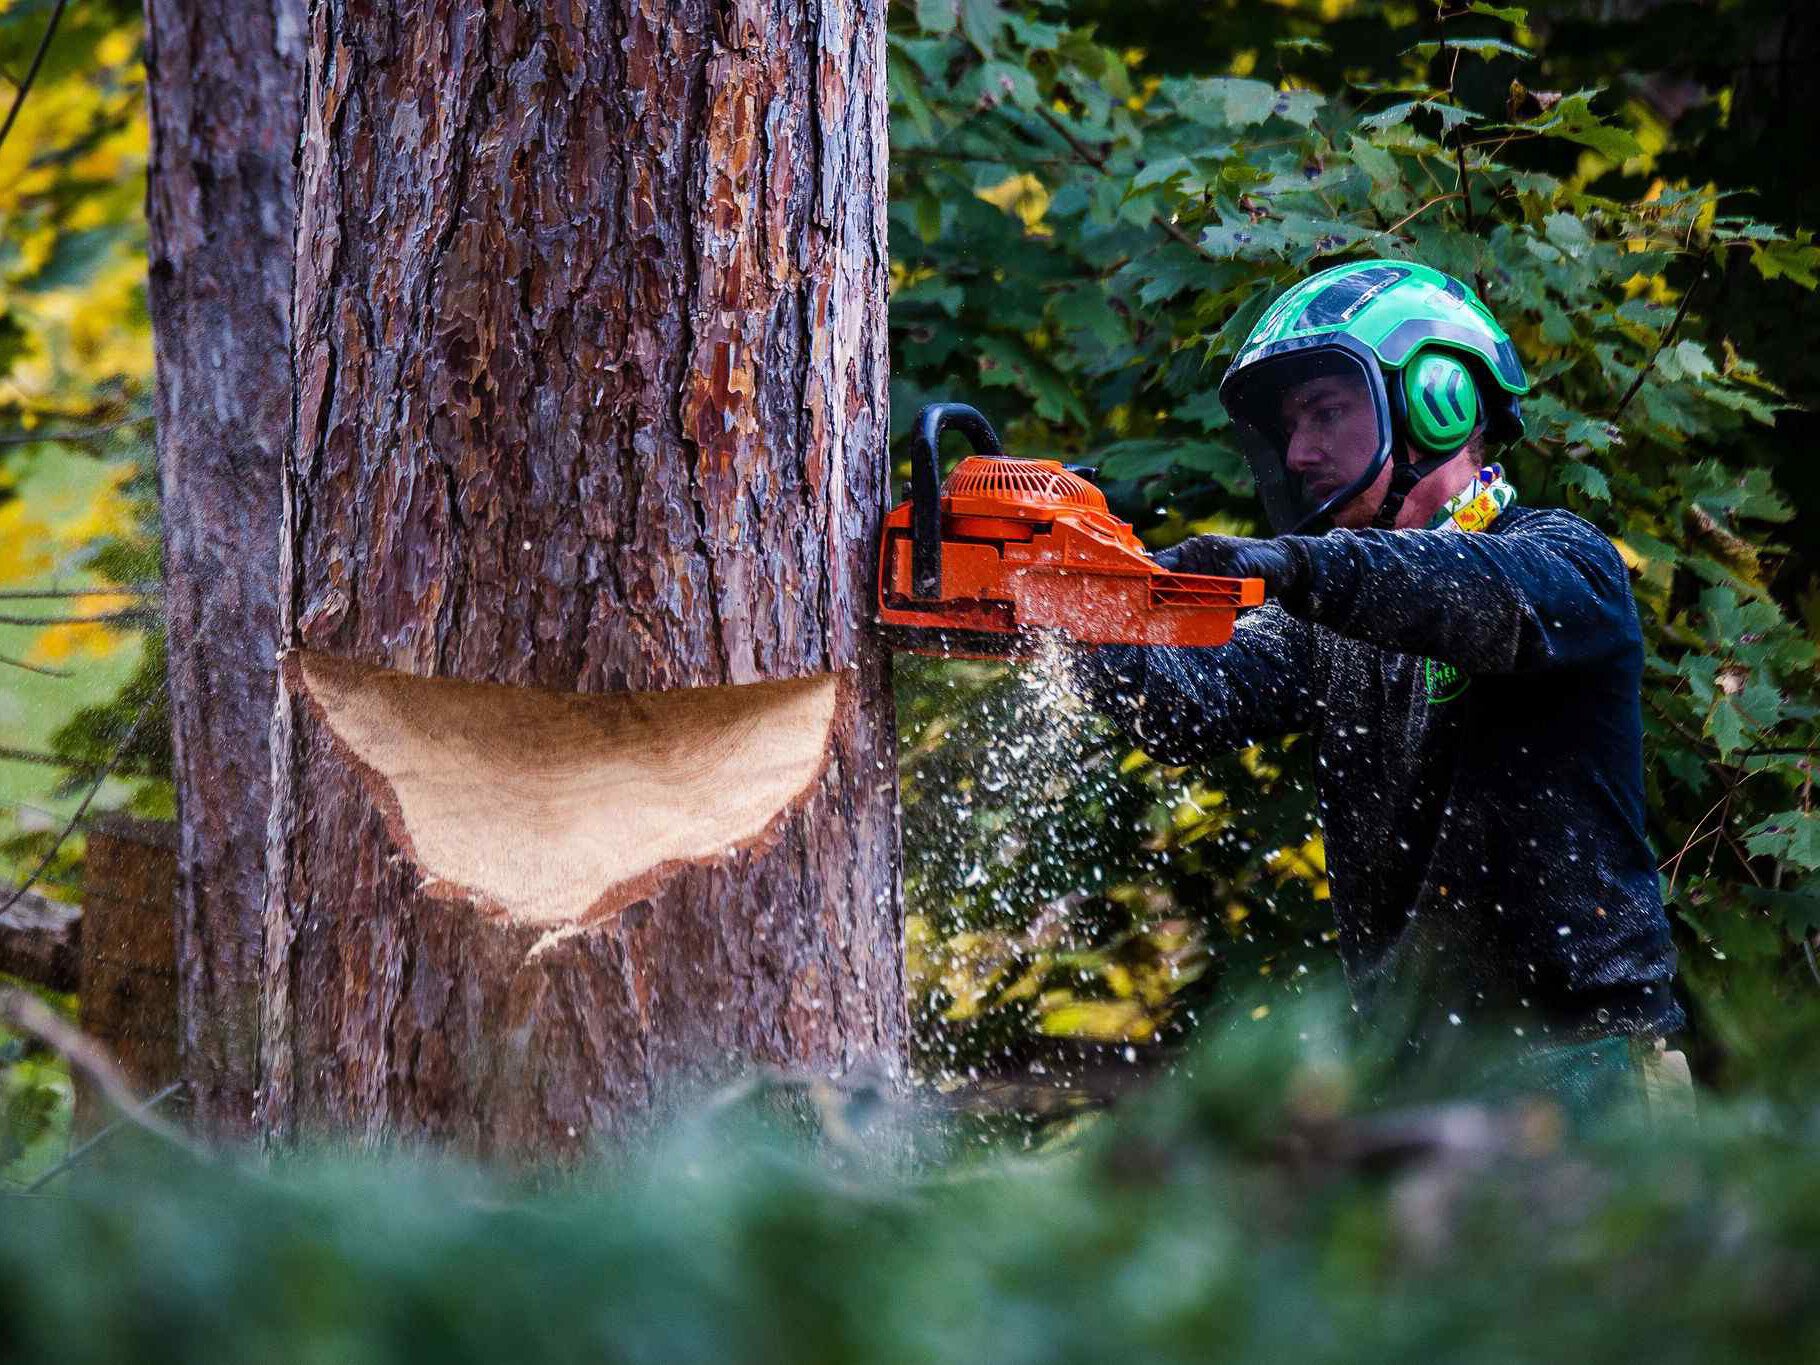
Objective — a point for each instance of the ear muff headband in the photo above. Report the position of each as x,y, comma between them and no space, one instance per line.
1440,402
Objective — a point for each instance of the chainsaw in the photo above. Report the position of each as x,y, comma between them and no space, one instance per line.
1008,549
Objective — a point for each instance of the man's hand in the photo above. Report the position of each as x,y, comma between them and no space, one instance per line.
1284,572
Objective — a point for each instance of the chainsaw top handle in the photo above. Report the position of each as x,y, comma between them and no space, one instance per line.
926,486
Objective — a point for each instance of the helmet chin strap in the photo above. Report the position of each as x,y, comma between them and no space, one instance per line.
1404,476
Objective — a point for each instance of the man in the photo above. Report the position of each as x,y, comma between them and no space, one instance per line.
1468,669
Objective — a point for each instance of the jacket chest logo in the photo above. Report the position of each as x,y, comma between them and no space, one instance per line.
1442,682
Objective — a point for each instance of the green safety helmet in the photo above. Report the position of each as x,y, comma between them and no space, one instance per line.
1434,364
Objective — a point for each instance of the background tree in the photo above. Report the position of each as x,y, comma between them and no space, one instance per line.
225,94
584,775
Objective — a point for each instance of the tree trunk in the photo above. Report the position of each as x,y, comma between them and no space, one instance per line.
585,786
226,85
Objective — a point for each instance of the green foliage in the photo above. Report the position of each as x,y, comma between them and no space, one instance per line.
36,1099
1260,1209
1083,229
75,383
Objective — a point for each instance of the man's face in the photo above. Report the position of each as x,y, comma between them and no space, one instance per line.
1331,429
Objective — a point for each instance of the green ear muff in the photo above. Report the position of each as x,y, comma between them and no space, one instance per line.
1440,402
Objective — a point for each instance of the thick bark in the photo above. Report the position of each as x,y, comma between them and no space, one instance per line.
226,85
129,978
591,363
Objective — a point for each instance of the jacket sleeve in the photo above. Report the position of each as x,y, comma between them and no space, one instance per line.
1179,705
1548,592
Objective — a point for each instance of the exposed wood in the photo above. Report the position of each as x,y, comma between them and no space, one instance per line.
225,86
592,400
39,942
552,808
128,982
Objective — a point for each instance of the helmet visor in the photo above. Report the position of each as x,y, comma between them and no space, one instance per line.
1314,425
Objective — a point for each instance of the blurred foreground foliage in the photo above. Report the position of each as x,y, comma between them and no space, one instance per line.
1091,206
1260,1209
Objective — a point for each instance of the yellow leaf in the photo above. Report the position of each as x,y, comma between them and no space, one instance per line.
1103,1021
1022,195
95,639
1119,979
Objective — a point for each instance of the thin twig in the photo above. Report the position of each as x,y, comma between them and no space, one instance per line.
1418,212
31,74
1667,336
76,819
1098,162
49,594
1459,151
28,1014
135,1117
12,755
76,437
35,668
1692,839
99,619
937,154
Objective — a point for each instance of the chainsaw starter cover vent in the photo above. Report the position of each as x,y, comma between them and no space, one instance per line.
1043,483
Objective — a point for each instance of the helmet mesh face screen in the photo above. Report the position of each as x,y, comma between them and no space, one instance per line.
1314,426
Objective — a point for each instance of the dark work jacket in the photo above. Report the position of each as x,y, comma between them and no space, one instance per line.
1474,705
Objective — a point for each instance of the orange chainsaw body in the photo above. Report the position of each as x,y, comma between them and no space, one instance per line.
1029,545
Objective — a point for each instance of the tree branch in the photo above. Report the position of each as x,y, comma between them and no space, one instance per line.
30,1015
1667,336
31,74
76,819
35,668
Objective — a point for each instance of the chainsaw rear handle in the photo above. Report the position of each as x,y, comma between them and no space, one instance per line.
926,486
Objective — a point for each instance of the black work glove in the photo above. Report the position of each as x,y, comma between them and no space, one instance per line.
1280,563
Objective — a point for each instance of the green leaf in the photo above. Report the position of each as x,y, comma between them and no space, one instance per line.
1142,459
75,259
1798,912
1573,120
928,217
937,16
1793,836
1226,101
1088,310
1567,232
1161,171
1791,260
1478,47
1514,15
1451,115
1380,165
1205,410
1727,727
1007,363
981,21
907,90
1587,479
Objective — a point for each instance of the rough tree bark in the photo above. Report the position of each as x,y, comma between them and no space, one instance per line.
585,778
226,89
